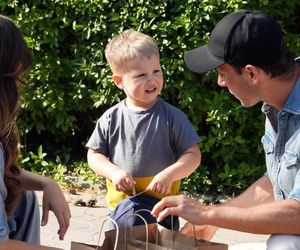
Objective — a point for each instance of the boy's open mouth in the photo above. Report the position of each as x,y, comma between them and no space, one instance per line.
151,90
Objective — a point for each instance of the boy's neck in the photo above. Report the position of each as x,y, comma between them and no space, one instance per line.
134,107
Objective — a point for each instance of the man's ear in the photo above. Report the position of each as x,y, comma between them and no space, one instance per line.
118,81
252,72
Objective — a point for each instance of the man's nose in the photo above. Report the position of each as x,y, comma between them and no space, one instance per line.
221,81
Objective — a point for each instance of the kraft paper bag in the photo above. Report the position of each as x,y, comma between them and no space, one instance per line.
131,245
159,238
148,236
82,246
177,241
135,238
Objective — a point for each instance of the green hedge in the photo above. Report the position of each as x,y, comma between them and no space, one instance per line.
70,84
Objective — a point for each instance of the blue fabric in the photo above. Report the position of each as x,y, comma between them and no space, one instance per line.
281,143
4,230
24,223
130,206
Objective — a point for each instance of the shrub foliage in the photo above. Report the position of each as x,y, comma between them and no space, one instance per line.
70,84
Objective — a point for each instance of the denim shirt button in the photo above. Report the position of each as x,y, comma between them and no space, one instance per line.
278,192
266,108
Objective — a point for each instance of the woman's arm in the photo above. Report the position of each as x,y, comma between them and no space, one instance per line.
53,199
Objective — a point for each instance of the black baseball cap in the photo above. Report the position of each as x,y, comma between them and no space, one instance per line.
240,38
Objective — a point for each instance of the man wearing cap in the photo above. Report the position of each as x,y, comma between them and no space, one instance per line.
247,49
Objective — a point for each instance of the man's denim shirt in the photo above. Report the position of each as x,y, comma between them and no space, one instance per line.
281,143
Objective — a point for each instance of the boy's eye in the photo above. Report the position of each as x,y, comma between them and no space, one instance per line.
140,75
156,71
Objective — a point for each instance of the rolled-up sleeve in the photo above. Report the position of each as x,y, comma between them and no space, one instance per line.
295,194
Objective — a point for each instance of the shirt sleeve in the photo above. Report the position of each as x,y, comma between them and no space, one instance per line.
295,194
4,231
98,140
184,134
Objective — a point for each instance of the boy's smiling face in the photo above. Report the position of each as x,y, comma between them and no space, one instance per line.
142,81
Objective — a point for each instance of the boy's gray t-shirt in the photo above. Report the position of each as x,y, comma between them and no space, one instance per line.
143,142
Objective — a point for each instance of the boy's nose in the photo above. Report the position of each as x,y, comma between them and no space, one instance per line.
150,78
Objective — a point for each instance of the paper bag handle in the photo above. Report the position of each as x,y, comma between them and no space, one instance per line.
117,232
156,231
147,233
172,228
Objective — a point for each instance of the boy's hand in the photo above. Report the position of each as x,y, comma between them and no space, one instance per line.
161,183
122,180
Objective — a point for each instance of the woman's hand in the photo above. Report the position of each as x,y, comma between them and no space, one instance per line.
54,200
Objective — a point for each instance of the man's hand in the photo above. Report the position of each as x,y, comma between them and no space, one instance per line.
182,206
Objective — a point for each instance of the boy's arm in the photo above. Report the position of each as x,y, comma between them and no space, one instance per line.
101,165
184,166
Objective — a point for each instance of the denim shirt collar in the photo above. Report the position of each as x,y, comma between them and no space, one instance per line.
293,103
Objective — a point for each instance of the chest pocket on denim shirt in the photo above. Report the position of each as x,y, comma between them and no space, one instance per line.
289,167
268,145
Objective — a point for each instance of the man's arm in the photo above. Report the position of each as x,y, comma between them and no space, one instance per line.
254,211
278,217
260,192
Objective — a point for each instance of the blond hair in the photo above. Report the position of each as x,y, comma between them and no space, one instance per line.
128,45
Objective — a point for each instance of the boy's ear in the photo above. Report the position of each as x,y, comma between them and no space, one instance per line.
118,81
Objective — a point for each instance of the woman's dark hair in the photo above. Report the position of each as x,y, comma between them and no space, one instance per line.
15,58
